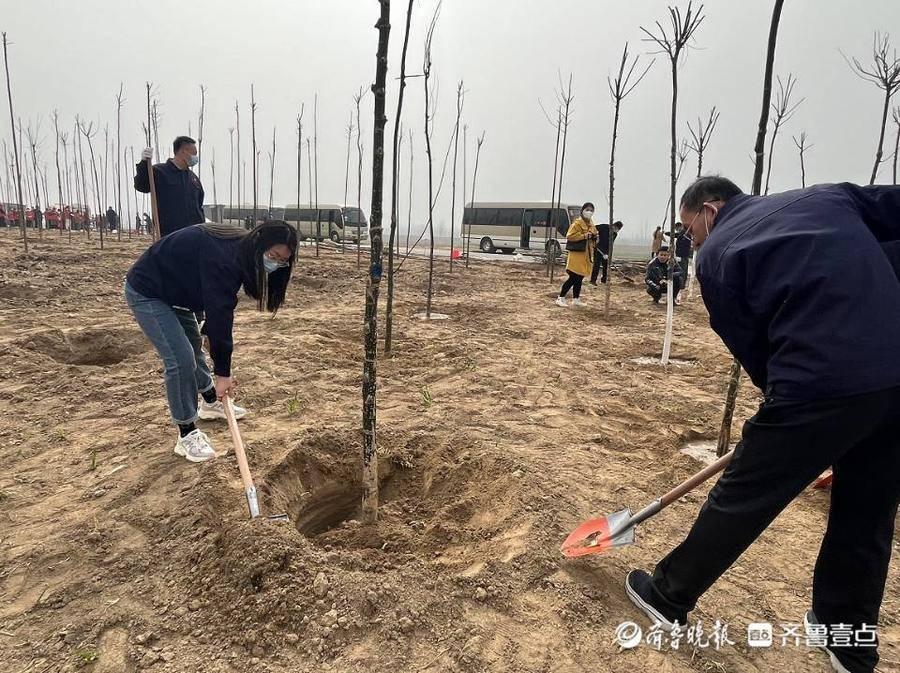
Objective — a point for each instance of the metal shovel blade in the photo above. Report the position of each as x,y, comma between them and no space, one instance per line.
592,536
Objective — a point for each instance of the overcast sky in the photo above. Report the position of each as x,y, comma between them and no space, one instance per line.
72,55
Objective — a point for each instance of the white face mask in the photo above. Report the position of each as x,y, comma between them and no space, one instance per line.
272,265
587,214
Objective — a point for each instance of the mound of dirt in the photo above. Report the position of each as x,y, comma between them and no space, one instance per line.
87,346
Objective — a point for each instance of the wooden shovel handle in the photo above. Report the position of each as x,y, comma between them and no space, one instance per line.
154,208
694,481
246,477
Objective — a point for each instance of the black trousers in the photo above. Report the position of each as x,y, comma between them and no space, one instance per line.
785,446
600,262
573,282
658,294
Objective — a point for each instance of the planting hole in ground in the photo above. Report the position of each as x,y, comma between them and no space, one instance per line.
431,494
91,346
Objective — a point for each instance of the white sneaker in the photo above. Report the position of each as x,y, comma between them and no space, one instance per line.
814,629
576,302
216,411
195,447
561,301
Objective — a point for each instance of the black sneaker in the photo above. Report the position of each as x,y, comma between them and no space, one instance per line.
810,621
637,586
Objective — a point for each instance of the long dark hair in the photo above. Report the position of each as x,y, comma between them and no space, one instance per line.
268,289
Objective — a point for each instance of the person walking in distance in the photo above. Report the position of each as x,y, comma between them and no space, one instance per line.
606,236
580,238
656,241
803,289
179,193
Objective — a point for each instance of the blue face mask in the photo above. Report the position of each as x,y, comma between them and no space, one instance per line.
193,160
270,265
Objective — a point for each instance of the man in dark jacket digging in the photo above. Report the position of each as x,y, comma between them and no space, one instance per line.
179,194
802,289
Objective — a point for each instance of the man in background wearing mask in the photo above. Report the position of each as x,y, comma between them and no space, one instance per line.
179,202
179,194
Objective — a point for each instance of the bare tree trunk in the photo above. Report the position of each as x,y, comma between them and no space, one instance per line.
154,206
896,142
32,140
155,119
464,178
231,172
612,193
552,224
299,163
316,165
128,202
880,150
562,164
670,297
478,144
395,185
88,135
212,168
428,117
359,154
735,374
84,190
105,166
619,87
370,383
347,187
272,174
253,150
309,170
459,105
238,189
200,132
119,102
409,207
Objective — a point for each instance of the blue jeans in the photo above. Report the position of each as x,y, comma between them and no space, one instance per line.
175,334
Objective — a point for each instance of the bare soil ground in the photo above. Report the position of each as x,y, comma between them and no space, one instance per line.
500,430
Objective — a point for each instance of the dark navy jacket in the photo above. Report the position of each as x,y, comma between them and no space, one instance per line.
198,271
179,195
800,286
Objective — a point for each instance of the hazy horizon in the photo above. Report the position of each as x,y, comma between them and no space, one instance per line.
509,54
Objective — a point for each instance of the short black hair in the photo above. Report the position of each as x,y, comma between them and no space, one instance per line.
181,141
618,223
663,248
708,188
588,205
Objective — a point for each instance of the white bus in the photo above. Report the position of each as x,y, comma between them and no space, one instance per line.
328,221
511,225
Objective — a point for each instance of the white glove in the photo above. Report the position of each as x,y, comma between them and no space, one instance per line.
147,154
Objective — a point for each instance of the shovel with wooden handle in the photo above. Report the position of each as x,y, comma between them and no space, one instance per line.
617,529
246,477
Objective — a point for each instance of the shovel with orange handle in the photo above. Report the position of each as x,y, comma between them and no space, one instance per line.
617,529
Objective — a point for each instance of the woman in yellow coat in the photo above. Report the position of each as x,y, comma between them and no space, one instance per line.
580,241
